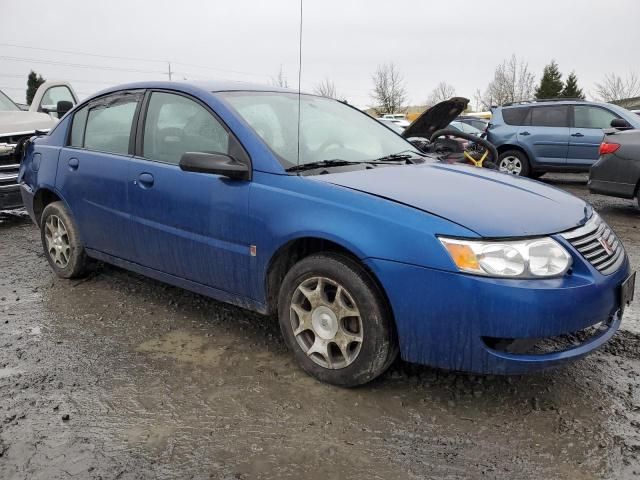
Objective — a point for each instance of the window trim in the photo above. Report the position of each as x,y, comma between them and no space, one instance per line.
142,120
98,101
573,115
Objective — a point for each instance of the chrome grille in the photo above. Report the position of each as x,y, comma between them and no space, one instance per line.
598,244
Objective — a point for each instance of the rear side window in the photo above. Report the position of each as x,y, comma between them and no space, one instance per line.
175,125
77,127
550,116
109,126
514,116
592,117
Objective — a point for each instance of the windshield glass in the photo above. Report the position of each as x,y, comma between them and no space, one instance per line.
329,130
6,104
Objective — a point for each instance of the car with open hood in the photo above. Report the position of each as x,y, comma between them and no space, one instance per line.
51,101
303,207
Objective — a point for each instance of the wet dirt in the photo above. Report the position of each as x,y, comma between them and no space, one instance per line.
119,376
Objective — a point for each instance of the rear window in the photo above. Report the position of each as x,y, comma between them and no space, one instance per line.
514,116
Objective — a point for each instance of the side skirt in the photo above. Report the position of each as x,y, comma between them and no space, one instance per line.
205,290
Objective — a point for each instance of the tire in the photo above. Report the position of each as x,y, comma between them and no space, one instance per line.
515,159
61,242
344,339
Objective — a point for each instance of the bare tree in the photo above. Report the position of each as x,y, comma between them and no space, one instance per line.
512,82
614,88
326,88
280,80
442,92
389,91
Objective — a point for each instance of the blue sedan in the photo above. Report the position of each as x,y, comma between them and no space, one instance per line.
306,208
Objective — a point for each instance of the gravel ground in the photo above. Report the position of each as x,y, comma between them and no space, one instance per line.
119,376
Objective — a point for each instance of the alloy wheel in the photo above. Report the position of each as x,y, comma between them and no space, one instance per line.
57,238
326,322
511,164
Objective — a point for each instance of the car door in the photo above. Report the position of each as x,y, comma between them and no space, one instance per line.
191,225
545,134
93,167
586,133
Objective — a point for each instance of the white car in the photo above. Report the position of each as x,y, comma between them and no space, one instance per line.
51,102
397,118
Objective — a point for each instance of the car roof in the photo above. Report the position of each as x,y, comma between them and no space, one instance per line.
190,86
537,103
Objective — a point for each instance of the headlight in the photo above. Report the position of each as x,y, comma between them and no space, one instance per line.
536,258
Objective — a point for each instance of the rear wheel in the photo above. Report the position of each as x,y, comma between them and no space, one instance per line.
61,242
514,162
335,320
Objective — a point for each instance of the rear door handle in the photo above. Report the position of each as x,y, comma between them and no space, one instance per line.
525,133
73,163
577,134
145,180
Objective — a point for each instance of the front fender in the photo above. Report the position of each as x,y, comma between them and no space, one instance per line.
283,208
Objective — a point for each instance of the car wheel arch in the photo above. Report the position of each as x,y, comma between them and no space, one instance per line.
295,250
43,197
508,146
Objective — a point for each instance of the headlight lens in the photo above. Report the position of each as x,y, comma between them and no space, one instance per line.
537,258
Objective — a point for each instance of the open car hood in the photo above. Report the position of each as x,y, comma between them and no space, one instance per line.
436,118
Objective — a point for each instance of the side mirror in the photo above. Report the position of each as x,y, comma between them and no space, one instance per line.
620,124
216,163
62,107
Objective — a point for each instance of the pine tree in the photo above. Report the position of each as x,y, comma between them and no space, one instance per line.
33,83
571,89
551,82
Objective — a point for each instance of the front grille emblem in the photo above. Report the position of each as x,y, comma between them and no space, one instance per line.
606,245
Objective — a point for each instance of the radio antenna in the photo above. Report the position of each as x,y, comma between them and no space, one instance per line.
299,77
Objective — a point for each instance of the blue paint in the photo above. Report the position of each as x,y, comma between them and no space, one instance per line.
194,230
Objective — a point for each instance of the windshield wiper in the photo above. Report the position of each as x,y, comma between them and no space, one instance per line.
336,162
405,155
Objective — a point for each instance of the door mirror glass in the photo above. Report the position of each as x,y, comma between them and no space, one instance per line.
215,163
620,124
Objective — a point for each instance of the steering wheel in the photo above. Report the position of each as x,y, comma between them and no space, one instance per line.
478,151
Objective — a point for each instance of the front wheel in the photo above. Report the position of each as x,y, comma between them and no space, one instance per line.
334,318
514,162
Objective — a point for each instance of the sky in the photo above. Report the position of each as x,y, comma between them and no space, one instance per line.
457,41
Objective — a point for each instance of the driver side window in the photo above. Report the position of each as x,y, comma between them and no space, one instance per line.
175,125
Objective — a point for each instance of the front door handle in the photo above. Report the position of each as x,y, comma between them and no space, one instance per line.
525,133
577,134
145,180
73,163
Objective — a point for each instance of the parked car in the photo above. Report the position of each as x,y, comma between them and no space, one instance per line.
392,125
362,245
397,118
617,172
465,127
552,135
50,102
478,123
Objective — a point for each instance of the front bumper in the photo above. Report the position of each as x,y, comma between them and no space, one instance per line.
442,317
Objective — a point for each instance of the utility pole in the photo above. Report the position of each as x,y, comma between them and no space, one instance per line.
169,71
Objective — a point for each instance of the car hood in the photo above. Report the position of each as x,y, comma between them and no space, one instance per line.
492,204
18,122
436,118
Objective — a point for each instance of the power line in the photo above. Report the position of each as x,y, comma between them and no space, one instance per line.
67,79
79,65
72,52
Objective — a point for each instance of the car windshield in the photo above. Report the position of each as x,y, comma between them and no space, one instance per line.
466,128
329,130
6,104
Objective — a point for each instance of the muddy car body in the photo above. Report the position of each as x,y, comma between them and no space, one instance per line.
361,248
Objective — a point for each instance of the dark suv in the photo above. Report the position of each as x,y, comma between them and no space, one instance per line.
536,137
